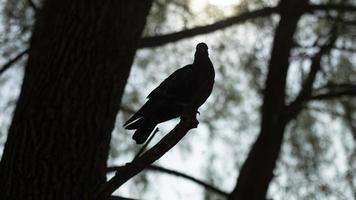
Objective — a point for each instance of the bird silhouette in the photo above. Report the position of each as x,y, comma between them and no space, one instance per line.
191,83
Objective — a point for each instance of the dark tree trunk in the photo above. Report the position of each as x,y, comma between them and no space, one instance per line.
257,171
79,60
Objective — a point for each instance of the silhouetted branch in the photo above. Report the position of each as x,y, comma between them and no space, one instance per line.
123,174
173,37
351,92
347,22
295,107
335,86
350,121
33,5
334,90
119,198
331,7
12,61
158,40
179,174
257,171
325,111
340,48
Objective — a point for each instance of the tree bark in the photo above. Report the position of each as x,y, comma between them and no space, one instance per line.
79,61
257,171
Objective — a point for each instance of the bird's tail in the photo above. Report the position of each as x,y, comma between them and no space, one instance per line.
139,114
143,130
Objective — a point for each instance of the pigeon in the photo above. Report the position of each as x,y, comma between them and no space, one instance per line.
190,84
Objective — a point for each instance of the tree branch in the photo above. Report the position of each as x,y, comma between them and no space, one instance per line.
119,198
349,108
188,121
296,106
7,65
336,86
257,171
173,37
325,111
158,40
33,5
331,7
351,92
178,174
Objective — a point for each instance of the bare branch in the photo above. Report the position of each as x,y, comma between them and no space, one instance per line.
257,171
345,49
334,90
294,108
173,37
178,174
351,92
339,48
9,63
331,7
348,22
349,109
325,111
155,41
33,5
119,198
123,174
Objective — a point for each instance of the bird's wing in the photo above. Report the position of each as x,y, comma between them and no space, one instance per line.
173,85
171,88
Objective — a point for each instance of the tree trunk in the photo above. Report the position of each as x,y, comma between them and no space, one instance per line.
79,61
257,171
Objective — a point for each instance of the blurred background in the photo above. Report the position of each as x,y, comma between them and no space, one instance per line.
318,158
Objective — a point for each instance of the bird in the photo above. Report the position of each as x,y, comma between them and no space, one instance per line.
191,83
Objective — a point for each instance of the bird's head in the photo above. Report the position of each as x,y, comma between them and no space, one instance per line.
202,49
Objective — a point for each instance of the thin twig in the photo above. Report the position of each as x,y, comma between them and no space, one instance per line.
324,111
331,7
33,5
178,174
120,198
334,94
9,63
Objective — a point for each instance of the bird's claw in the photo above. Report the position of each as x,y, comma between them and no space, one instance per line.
195,123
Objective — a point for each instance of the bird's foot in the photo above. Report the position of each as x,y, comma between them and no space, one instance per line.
191,119
195,123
